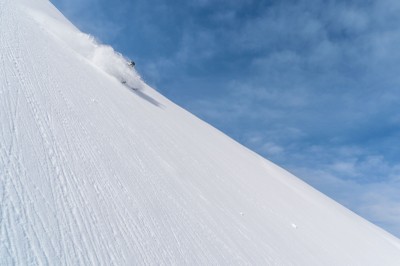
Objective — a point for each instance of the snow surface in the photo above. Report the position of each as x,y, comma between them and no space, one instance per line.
93,173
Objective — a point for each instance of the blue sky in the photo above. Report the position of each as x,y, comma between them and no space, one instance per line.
314,86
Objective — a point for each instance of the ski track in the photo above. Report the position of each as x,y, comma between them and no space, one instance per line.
17,196
66,194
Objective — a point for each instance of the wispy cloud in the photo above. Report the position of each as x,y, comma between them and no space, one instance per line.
377,200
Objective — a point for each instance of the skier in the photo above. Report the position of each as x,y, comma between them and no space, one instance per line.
131,64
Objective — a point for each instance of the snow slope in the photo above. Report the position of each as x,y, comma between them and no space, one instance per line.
93,173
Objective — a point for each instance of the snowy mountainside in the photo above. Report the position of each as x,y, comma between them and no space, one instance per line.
93,173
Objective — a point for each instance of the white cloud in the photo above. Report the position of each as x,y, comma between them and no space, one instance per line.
378,202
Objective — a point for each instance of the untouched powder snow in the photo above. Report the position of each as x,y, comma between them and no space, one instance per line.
94,173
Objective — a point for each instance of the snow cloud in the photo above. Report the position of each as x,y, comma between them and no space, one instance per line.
102,56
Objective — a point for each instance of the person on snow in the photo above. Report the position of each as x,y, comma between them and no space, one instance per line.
131,64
